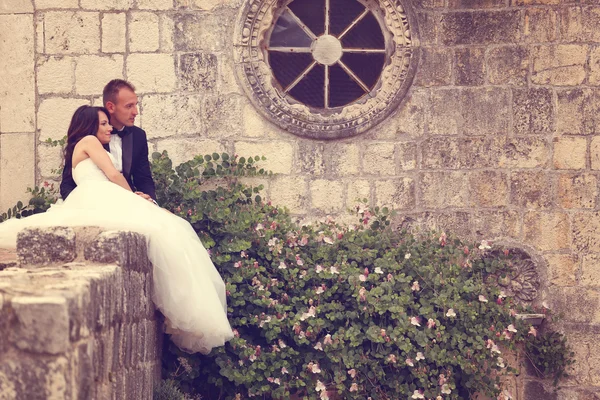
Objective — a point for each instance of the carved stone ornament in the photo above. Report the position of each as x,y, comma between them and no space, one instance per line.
256,22
523,282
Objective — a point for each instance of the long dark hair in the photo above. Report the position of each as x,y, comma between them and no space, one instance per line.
84,122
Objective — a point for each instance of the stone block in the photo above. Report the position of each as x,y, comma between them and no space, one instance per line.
594,78
476,4
17,86
559,65
485,111
358,190
580,305
107,5
563,269
540,25
151,72
533,111
547,231
459,223
595,152
491,225
443,115
488,189
168,115
17,167
143,32
429,27
586,231
508,65
155,4
470,66
50,159
409,119
256,126
398,193
68,32
290,192
577,190
531,189
406,154
167,27
206,32
527,152
93,72
435,67
537,390
326,195
444,189
43,324
200,4
590,270
570,152
580,24
16,6
310,156
341,159
184,149
54,116
55,75
480,27
54,4
222,115
197,71
279,154
379,159
578,112
114,28
127,249
43,246
535,2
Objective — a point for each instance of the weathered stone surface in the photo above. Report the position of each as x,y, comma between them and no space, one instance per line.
508,65
126,249
531,190
578,112
155,4
256,126
488,189
16,173
580,24
536,390
563,269
341,159
429,26
535,2
395,193
470,66
590,271
280,154
547,231
93,72
595,152
406,154
459,223
476,4
54,115
480,28
310,158
496,224
583,305
42,246
327,195
43,324
55,75
151,72
444,189
570,152
525,153
197,71
533,111
435,67
358,190
594,77
560,65
46,4
17,86
71,32
16,6
443,113
143,32
189,33
168,115
291,191
50,158
114,29
577,190
586,231
184,149
215,107
540,25
167,27
107,5
199,4
378,159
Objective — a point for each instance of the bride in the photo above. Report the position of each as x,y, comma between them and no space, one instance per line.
188,290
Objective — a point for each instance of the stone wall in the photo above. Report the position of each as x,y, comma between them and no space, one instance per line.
497,138
76,317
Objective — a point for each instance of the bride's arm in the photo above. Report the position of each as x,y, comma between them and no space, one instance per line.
93,148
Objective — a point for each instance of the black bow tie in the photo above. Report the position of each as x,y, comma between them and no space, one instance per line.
120,133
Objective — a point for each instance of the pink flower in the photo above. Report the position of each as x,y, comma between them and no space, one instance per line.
415,321
419,356
318,346
328,240
532,331
389,277
430,323
418,394
320,290
334,270
282,344
318,268
320,386
284,371
327,339
354,387
442,239
314,368
511,328
259,227
311,313
451,313
482,299
415,286
282,265
484,245
237,264
352,372
446,389
299,260
392,358
362,293
407,256
362,278
378,270
442,379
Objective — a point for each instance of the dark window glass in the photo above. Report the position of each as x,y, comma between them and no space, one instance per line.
367,66
288,66
342,13
287,33
310,90
312,13
342,88
365,35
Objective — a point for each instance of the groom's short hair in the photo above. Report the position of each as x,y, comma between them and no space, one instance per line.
111,90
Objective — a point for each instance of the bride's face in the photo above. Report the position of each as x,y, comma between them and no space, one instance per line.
104,128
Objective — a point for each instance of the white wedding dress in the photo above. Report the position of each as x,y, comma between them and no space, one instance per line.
188,290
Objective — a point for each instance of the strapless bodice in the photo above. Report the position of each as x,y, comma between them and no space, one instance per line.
86,171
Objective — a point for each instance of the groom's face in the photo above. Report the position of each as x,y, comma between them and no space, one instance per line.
124,110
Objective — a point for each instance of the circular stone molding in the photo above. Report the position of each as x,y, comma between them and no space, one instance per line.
251,54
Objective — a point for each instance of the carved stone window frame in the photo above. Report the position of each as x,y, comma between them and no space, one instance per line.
255,20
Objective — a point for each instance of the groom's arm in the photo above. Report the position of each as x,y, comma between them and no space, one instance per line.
67,184
141,174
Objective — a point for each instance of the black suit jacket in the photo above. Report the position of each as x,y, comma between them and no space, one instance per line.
136,167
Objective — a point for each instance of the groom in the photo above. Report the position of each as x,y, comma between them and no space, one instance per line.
128,143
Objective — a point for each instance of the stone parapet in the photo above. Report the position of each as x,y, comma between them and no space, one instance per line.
76,317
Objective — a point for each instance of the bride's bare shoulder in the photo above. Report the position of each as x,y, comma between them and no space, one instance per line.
88,139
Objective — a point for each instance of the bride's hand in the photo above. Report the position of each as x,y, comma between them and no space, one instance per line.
145,196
